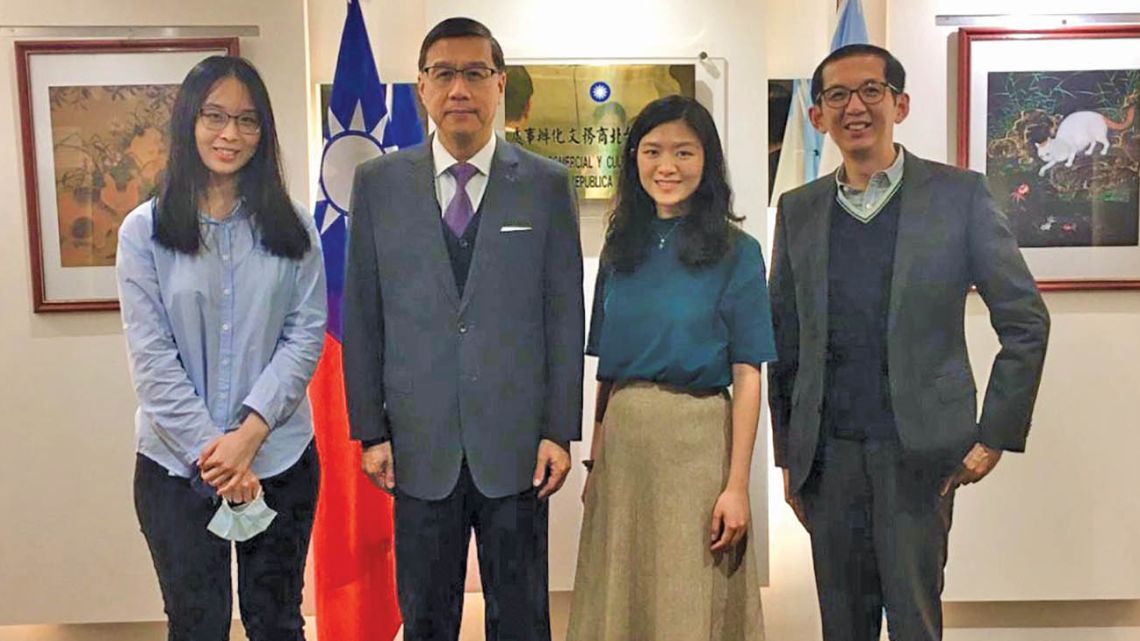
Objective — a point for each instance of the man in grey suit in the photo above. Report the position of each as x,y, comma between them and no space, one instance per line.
874,409
463,335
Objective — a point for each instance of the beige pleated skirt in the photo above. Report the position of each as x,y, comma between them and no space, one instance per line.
645,571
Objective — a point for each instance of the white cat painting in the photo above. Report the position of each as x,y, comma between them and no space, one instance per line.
1079,131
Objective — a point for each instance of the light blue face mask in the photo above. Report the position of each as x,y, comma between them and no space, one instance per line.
242,522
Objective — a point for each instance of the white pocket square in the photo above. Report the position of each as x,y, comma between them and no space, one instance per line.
509,228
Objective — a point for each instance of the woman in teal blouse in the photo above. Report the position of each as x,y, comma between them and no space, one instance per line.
680,314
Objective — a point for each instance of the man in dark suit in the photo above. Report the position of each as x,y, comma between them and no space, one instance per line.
463,335
874,409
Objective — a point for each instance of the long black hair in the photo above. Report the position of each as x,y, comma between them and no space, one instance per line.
260,181
705,232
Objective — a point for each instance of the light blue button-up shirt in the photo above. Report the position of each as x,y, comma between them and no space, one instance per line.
215,335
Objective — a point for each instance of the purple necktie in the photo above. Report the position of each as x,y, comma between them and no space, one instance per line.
459,210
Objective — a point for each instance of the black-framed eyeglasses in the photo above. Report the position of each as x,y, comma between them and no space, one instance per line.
216,120
870,92
444,75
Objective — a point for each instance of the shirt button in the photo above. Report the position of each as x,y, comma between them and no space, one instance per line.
225,256
226,291
225,327
462,328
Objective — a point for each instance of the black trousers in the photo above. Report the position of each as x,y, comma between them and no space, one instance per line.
431,563
193,565
879,533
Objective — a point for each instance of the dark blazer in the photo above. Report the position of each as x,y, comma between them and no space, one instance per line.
484,377
950,236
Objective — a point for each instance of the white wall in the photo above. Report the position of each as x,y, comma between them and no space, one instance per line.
70,549
798,34
395,30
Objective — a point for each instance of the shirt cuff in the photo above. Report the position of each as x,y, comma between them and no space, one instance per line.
263,405
372,442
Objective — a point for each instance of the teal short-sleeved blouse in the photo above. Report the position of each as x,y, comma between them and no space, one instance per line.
667,323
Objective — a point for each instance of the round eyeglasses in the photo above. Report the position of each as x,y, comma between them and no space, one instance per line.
216,120
871,92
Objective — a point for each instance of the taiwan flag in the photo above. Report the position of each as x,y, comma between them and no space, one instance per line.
353,550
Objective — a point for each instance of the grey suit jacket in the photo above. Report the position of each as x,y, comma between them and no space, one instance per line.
950,236
483,377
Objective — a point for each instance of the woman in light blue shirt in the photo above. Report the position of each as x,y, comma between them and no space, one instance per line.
222,289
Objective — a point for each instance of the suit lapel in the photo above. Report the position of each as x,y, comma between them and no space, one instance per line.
500,197
912,231
814,246
426,215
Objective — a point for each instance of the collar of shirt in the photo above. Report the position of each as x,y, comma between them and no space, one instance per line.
445,182
443,158
239,212
865,204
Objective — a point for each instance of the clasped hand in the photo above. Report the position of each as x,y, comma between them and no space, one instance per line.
224,463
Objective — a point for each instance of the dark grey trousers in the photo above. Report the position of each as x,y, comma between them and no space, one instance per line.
879,533
431,562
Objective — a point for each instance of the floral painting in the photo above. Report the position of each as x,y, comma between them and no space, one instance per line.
109,149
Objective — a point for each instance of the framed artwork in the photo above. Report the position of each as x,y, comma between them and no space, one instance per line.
1049,116
94,116
779,104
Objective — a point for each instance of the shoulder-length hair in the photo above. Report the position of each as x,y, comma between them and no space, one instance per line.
260,181
704,235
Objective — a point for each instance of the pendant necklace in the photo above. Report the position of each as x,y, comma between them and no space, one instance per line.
661,239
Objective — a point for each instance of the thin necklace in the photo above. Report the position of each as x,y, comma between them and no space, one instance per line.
661,239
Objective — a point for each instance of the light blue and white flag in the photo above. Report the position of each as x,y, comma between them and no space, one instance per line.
851,29
800,151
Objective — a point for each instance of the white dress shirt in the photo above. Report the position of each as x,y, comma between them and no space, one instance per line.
445,182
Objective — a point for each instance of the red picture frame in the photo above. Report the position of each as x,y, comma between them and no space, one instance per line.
1015,51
